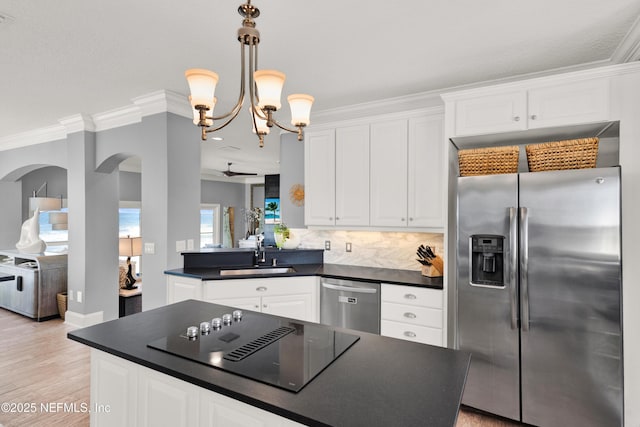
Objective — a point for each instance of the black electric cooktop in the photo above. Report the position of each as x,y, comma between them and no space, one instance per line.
273,350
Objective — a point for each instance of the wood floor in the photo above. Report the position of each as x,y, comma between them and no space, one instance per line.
43,371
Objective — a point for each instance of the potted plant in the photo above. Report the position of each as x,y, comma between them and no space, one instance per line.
281,234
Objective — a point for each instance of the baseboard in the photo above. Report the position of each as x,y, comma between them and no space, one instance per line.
79,320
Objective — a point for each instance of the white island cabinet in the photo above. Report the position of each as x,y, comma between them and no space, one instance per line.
292,297
126,394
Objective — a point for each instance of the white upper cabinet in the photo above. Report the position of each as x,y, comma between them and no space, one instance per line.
337,177
389,174
320,178
352,176
500,109
563,104
425,172
491,113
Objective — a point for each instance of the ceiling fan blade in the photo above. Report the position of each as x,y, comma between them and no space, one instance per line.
229,172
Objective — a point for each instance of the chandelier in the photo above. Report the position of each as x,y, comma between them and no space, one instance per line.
265,87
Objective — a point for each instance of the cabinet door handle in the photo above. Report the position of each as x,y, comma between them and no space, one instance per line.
516,119
261,288
264,306
410,315
410,219
330,218
409,334
410,296
533,117
337,218
257,306
402,219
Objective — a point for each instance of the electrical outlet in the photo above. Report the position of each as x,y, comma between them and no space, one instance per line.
79,296
181,246
150,248
70,294
348,247
327,245
190,244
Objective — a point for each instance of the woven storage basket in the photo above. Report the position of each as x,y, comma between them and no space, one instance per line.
62,303
559,155
488,161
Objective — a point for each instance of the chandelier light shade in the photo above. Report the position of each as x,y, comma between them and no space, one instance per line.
269,84
196,113
202,84
300,104
261,125
264,89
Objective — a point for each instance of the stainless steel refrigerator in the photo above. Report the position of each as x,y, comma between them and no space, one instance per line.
539,295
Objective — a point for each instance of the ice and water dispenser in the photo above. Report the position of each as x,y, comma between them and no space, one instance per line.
487,260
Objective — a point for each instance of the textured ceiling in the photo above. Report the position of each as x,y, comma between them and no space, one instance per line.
60,58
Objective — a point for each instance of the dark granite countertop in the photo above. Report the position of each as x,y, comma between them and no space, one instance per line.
337,271
379,381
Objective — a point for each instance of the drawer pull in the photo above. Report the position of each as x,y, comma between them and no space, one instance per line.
410,315
257,306
261,288
410,296
409,334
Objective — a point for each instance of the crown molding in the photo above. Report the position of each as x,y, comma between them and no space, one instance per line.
33,137
78,123
629,48
531,82
153,103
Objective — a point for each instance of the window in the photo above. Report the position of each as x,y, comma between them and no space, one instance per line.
209,225
129,219
56,240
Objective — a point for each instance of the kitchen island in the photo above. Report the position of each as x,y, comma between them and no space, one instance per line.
377,381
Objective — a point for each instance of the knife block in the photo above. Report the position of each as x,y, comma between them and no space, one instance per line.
436,269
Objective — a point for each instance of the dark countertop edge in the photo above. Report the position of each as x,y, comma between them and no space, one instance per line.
348,272
203,384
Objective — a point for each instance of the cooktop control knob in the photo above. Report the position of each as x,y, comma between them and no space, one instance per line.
192,332
216,323
226,319
205,328
237,315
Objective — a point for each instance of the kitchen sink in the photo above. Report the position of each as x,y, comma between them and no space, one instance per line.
257,271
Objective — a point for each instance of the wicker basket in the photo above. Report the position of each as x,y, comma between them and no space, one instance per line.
559,155
62,303
488,161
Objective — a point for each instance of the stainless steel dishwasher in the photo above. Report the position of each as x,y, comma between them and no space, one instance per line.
350,304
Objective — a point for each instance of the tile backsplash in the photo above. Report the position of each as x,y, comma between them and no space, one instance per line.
382,249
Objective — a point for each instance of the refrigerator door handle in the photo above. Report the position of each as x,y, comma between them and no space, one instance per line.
524,267
513,263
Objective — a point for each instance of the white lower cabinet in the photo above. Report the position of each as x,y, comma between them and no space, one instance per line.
127,394
181,288
293,297
412,313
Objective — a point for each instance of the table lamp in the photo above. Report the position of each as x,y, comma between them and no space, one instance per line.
130,246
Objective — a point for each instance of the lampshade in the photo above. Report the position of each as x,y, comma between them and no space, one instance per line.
130,246
261,125
196,113
300,104
58,220
269,83
45,204
202,84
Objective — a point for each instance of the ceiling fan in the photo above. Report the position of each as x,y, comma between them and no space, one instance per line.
229,172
